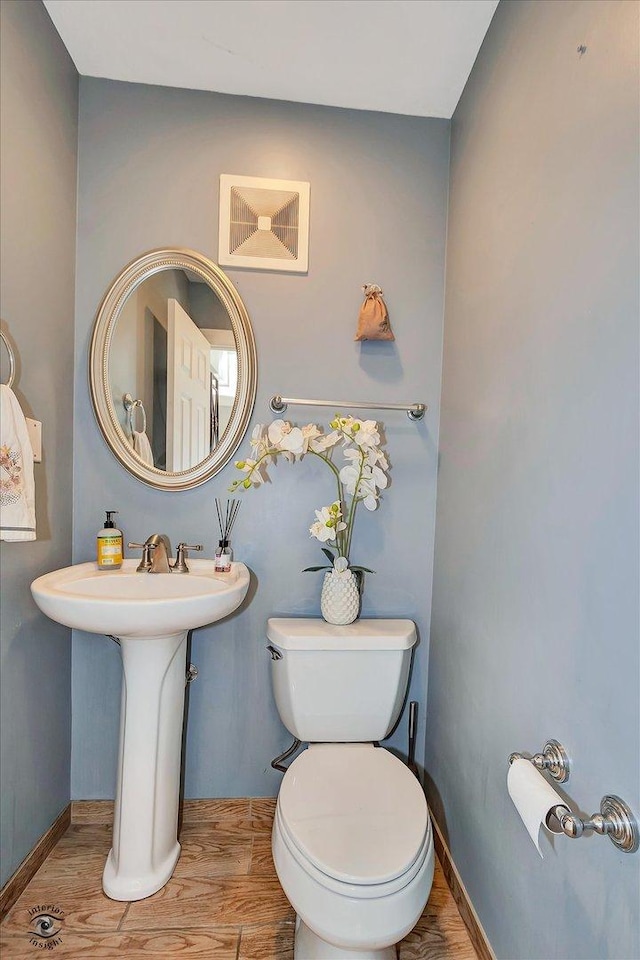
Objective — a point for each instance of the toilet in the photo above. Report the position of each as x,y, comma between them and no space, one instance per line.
352,842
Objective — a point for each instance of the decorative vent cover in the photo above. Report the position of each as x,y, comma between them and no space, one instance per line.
264,223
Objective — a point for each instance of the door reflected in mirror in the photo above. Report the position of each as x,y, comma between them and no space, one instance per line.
173,353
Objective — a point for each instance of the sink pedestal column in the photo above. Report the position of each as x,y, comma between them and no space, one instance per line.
145,828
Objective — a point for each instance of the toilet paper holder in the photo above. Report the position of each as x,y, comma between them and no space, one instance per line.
554,759
615,820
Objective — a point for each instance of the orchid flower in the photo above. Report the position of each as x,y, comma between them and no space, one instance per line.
328,523
286,438
359,480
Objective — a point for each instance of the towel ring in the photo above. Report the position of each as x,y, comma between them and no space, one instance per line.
130,406
12,360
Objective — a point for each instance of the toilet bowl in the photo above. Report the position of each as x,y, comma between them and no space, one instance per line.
353,850
352,842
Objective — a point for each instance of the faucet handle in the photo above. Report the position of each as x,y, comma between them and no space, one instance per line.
180,566
145,564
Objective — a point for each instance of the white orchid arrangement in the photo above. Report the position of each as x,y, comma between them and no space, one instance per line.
360,480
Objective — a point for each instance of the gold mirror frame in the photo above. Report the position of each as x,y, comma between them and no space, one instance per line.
107,316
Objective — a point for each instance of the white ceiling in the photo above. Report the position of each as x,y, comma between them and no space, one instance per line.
397,56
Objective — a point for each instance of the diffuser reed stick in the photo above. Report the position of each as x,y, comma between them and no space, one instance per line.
227,518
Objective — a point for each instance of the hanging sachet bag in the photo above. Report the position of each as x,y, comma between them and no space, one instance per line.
373,319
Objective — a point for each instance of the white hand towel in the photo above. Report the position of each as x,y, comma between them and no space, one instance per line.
17,486
142,446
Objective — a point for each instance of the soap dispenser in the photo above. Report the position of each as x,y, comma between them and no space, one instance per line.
109,545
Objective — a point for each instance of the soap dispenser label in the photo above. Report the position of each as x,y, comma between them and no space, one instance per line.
109,551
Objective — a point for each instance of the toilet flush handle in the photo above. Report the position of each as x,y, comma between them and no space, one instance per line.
275,653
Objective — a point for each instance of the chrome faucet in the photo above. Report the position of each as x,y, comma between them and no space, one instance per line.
156,551
180,566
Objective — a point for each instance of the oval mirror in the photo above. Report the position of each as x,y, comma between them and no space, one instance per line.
172,368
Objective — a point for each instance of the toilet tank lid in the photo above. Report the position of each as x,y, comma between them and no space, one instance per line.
301,633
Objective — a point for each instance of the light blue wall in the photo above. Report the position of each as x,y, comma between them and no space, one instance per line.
150,160
39,137
535,615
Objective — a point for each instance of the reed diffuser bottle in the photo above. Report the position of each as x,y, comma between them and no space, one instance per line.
226,520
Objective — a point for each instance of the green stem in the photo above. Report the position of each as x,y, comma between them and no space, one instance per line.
267,453
328,462
354,503
340,537
343,538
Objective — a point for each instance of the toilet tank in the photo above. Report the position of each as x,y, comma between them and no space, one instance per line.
340,684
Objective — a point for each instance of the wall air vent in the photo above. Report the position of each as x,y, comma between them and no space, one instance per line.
264,224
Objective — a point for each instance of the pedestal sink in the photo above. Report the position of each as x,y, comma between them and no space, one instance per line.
151,615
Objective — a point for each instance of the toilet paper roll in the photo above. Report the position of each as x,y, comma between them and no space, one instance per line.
533,797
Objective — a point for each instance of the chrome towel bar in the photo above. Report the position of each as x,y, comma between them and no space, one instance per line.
415,411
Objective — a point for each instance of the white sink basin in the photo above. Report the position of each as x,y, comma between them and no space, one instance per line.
127,604
151,615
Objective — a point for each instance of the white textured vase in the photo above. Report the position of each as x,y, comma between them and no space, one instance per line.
340,598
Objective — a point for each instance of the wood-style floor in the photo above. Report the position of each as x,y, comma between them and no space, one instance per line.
223,902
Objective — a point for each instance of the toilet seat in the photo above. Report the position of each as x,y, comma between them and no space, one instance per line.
354,818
